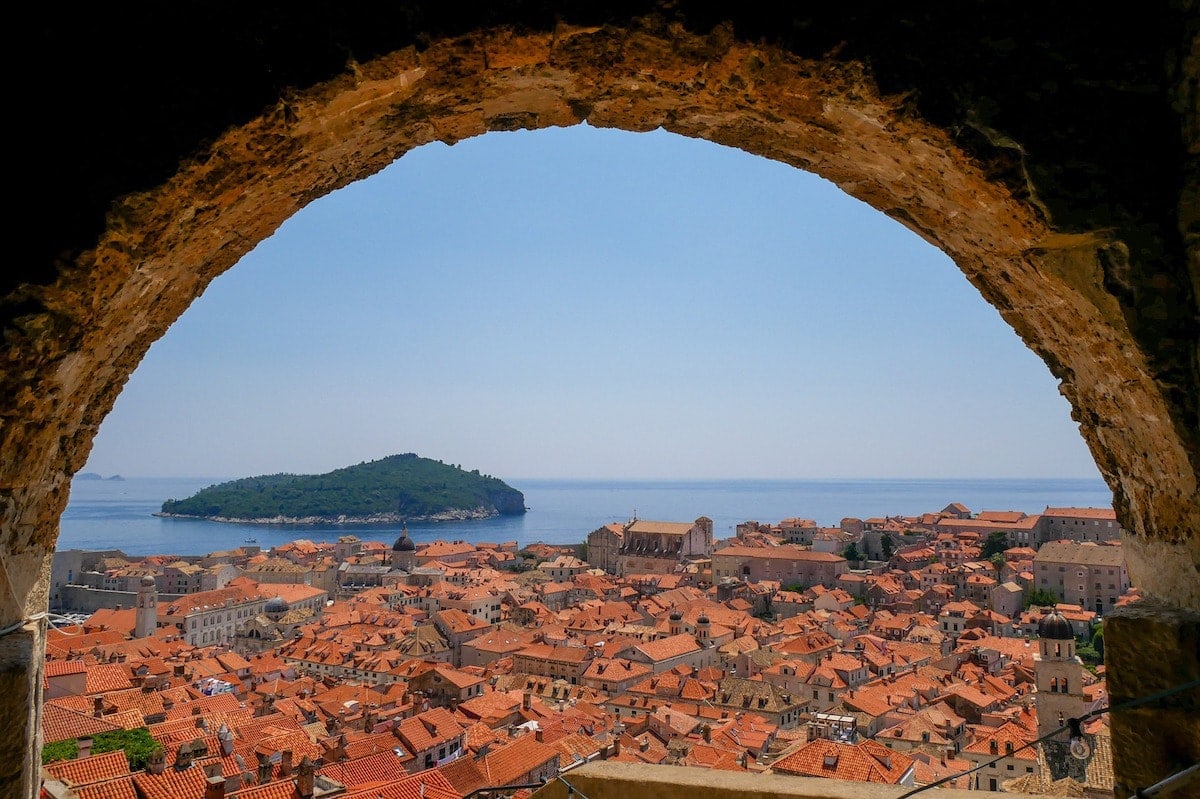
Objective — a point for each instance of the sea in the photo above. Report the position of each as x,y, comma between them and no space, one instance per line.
105,514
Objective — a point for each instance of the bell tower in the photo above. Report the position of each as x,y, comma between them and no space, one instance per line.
1059,675
146,614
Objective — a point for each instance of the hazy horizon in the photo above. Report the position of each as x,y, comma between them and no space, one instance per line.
593,304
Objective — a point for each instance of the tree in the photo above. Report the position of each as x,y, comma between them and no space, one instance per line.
886,544
851,552
137,744
998,561
1041,598
1098,642
995,544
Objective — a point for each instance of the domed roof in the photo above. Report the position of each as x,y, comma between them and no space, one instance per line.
148,580
276,605
676,615
1055,627
404,543
703,619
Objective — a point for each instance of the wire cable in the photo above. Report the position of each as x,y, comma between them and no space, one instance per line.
1072,724
1188,774
571,789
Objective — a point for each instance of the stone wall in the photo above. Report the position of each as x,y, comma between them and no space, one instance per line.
1052,155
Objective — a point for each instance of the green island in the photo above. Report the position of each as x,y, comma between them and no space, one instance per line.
389,490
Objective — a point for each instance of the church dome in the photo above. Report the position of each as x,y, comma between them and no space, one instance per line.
276,605
703,619
1055,627
147,581
676,616
404,543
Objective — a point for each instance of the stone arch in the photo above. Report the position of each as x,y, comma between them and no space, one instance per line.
1088,262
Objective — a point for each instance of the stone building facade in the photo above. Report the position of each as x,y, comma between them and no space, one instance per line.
650,547
785,564
1090,575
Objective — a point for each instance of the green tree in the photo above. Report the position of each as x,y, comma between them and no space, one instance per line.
995,544
137,745
581,550
851,552
1040,598
998,561
887,546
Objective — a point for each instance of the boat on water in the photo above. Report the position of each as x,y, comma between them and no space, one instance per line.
250,540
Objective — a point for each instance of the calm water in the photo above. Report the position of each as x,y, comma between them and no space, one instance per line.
112,514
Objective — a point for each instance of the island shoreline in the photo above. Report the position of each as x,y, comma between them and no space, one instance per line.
386,519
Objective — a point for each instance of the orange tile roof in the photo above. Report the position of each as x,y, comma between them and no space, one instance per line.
867,761
61,724
171,784
669,647
428,729
464,774
382,767
1082,513
58,668
1007,733
507,765
118,788
102,678
429,784
96,768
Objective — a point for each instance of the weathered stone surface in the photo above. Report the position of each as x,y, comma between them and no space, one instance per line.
601,779
1151,648
1053,156
21,654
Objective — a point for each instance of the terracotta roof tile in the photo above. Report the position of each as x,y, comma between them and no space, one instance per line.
171,784
379,768
60,724
118,788
430,784
96,768
509,764
867,761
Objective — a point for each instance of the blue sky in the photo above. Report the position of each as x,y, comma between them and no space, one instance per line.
593,303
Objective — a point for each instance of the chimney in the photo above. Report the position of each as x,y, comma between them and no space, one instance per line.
285,763
183,756
157,762
264,769
305,779
214,786
98,706
84,744
226,739
527,700
537,735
